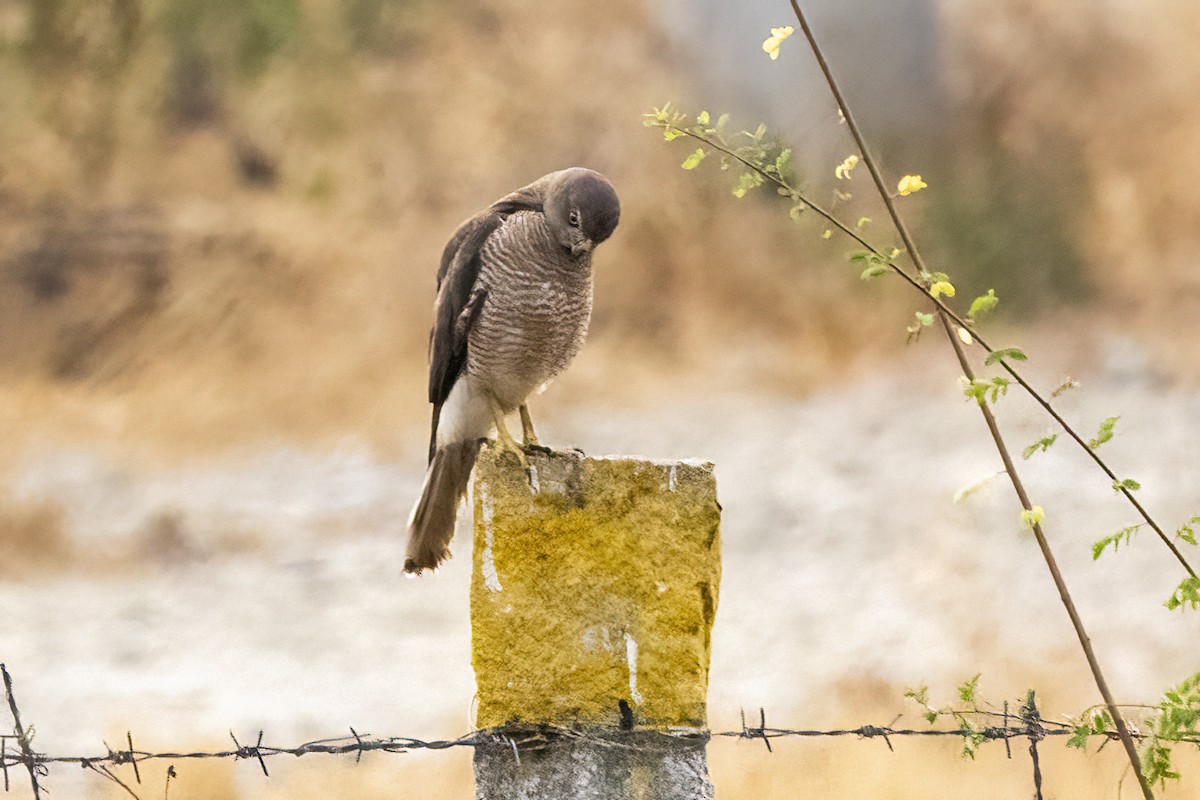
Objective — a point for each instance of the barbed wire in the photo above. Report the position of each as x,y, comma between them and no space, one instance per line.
522,738
16,750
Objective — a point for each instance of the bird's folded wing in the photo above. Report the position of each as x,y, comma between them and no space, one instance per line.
458,301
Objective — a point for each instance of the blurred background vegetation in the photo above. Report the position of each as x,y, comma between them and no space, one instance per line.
220,222
224,217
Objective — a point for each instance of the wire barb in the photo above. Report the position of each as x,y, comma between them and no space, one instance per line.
27,754
137,775
1033,723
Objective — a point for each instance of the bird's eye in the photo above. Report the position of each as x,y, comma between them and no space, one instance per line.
574,218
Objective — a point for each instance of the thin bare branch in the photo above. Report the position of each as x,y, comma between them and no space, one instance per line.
1060,583
989,418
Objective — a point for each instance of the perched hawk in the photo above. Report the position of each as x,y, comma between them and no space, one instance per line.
513,303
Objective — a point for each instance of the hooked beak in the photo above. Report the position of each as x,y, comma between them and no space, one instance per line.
581,247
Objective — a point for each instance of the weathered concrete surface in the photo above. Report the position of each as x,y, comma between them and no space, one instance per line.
642,766
595,584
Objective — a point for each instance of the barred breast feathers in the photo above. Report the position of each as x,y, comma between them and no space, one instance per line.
537,310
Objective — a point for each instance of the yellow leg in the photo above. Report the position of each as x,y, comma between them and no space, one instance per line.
527,427
503,438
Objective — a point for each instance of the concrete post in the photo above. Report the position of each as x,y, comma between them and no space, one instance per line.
594,587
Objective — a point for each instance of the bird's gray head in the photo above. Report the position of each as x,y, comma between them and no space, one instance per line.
581,209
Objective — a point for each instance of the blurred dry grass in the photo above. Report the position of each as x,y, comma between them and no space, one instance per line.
32,539
208,243
166,291
1108,92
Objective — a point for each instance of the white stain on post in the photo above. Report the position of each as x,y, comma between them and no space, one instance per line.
631,654
491,578
672,480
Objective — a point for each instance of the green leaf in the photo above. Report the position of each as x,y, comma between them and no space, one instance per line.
1129,484
982,305
1066,386
982,389
783,161
972,738
1079,738
1186,532
1156,764
921,695
1097,724
942,287
1008,352
914,330
746,182
1042,444
976,389
966,692
693,161
1105,434
702,118
795,211
1186,594
867,257
1123,536
874,271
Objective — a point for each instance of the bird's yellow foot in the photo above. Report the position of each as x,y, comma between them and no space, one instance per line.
506,444
531,440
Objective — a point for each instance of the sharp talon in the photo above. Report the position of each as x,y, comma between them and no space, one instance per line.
537,448
511,447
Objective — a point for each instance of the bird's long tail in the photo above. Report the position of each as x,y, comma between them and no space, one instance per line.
431,524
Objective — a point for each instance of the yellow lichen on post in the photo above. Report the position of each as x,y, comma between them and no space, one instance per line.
595,584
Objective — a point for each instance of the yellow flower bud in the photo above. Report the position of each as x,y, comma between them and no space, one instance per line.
911,183
771,45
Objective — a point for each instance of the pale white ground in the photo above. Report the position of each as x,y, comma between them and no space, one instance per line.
849,573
